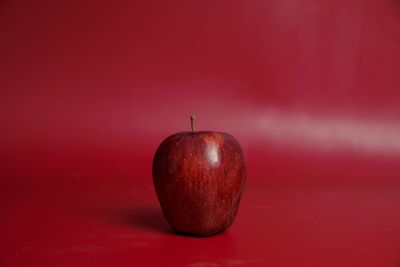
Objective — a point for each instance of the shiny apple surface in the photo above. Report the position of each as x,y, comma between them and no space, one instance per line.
199,178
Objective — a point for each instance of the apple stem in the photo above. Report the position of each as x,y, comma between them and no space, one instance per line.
193,122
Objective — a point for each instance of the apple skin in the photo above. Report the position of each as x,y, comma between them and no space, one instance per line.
199,178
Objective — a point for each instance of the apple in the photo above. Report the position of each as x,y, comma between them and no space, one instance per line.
199,177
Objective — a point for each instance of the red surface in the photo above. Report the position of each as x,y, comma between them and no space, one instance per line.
88,89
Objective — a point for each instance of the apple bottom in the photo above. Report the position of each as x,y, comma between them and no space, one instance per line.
199,217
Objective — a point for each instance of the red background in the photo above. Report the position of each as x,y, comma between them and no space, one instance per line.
88,89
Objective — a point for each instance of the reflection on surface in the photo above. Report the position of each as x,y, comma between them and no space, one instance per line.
212,154
330,132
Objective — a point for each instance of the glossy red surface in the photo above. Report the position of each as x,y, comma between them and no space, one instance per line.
199,178
88,90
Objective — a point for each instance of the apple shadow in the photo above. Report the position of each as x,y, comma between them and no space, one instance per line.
149,219
144,218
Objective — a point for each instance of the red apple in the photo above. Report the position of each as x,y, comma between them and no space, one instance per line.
199,178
